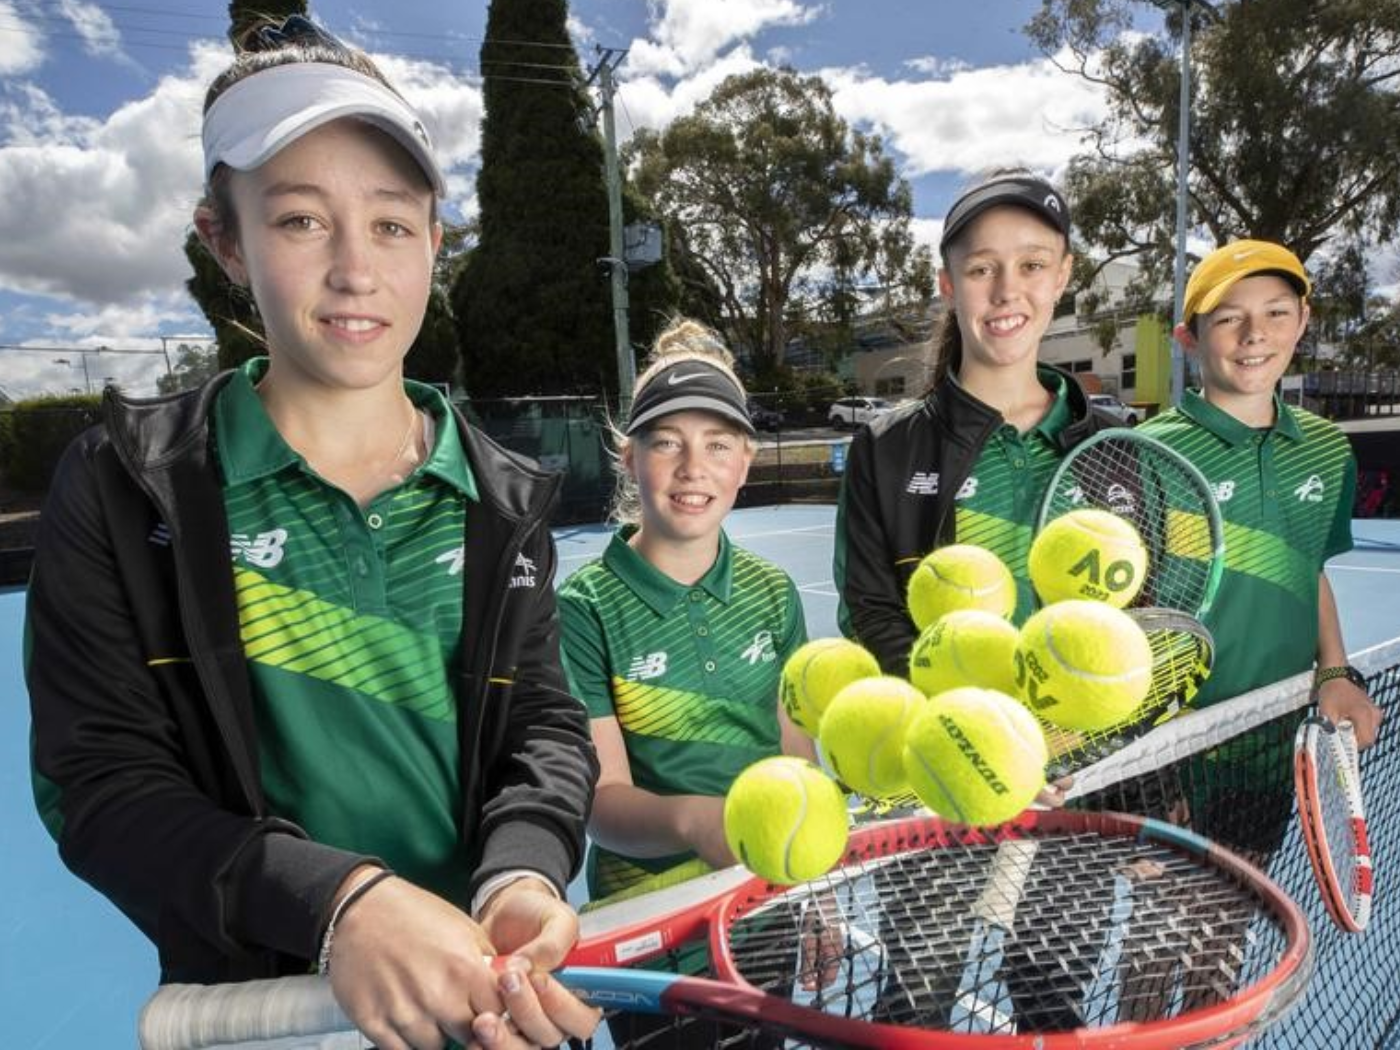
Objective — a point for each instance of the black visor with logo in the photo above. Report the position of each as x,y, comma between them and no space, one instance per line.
689,385
1036,195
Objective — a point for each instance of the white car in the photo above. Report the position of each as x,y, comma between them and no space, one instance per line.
1110,405
853,411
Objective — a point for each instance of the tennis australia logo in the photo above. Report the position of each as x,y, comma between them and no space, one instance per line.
761,651
265,550
1224,491
524,575
1311,490
923,484
653,665
453,559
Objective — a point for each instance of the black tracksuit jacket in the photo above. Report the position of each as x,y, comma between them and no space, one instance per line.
144,745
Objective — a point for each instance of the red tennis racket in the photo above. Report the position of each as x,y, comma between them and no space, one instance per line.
1046,932
1333,818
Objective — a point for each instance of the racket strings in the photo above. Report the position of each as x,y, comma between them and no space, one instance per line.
1096,931
1167,502
1340,822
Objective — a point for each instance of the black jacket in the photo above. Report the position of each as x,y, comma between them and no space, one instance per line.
145,751
897,497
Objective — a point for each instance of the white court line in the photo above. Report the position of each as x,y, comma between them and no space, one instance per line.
1360,568
826,588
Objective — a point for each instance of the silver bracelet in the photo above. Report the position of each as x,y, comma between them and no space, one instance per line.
323,959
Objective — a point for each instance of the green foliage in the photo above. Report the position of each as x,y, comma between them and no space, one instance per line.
533,306
36,432
193,365
1295,135
774,192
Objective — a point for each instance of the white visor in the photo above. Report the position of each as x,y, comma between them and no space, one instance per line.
250,122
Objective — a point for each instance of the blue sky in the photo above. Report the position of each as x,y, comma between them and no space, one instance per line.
99,128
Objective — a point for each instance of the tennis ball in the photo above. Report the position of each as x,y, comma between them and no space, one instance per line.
959,576
1088,554
1083,665
862,734
975,756
785,820
965,647
816,672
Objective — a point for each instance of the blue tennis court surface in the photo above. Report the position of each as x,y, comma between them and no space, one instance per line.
73,972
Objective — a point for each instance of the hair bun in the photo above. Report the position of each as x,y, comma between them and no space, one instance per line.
296,31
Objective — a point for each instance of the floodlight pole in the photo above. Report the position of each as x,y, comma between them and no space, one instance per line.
616,259
1183,169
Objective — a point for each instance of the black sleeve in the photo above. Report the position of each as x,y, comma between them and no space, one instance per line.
539,789
872,608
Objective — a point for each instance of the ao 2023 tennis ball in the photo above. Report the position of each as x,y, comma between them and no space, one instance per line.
1089,554
965,647
785,820
959,576
975,756
1083,665
862,734
816,672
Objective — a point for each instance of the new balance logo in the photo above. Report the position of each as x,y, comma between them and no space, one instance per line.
265,550
524,572
453,559
968,489
1224,491
761,650
1311,490
653,665
160,536
921,484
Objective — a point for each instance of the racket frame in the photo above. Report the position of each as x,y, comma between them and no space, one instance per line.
1349,907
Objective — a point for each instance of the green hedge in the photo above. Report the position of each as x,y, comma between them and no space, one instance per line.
34,433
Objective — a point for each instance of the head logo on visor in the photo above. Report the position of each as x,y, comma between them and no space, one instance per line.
1021,191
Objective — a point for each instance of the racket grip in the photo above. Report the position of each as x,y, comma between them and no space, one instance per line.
1006,883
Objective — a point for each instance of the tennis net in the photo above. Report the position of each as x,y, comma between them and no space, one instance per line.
1225,772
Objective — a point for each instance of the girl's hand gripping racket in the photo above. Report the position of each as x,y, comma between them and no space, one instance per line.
1333,819
908,893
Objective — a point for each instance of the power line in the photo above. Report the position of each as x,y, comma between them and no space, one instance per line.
82,349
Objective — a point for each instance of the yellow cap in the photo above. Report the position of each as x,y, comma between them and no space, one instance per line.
1217,273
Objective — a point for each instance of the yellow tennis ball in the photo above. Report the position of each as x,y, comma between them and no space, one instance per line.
975,756
959,576
816,672
1089,554
862,734
785,820
965,647
1083,665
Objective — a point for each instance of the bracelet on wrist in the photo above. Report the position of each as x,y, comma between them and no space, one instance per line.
323,958
1351,674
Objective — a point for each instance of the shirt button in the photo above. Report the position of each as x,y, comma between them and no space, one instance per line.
710,666
1270,493
375,521
1018,462
702,631
697,596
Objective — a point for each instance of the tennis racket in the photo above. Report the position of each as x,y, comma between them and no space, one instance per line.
1099,900
1333,819
1166,499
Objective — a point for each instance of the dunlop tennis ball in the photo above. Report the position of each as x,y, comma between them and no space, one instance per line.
975,756
862,734
959,576
1090,554
815,673
785,820
965,647
1083,665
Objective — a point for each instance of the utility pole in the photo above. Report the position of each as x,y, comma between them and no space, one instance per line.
615,260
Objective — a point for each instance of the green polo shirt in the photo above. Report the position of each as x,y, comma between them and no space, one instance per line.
1285,494
350,619
998,504
689,672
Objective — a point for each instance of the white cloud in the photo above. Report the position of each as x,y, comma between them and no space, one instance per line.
649,102
98,31
974,119
21,44
690,34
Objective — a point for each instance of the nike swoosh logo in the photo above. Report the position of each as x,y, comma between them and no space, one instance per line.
1246,254
682,378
